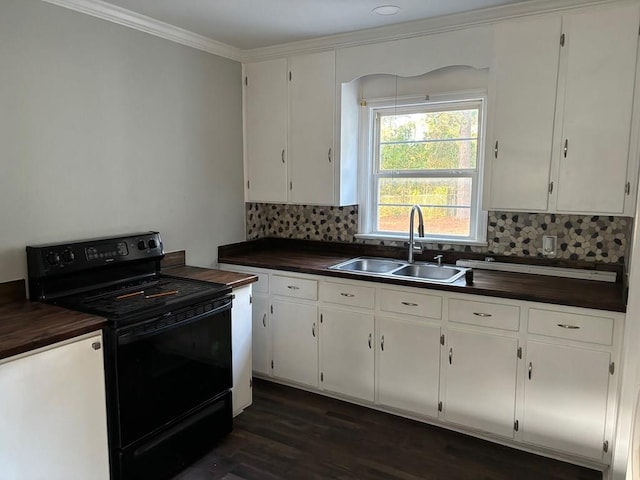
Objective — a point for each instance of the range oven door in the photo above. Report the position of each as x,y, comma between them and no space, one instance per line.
169,367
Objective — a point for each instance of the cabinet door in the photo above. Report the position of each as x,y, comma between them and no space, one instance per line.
295,342
347,353
408,366
53,423
311,127
598,96
571,418
524,73
266,130
260,335
241,344
481,381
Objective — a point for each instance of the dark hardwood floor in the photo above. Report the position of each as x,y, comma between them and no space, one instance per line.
291,434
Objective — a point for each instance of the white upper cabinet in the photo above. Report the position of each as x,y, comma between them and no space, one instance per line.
524,77
311,127
265,108
560,128
598,67
290,125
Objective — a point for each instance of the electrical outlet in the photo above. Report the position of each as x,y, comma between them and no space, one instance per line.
549,243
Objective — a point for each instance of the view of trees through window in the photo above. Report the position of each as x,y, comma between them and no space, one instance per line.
427,158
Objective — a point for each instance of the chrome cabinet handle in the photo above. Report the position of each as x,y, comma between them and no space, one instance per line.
282,155
329,155
293,287
568,327
409,304
264,320
369,340
495,150
450,355
382,343
530,369
313,329
480,314
566,147
349,295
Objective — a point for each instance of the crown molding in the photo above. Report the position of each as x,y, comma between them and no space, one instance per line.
127,18
457,21
417,28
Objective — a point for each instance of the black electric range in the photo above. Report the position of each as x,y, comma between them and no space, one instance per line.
167,347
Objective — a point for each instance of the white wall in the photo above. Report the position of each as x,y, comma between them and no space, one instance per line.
107,130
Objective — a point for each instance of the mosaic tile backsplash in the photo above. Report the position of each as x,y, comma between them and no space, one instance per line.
588,238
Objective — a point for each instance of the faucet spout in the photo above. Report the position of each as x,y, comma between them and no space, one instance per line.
413,245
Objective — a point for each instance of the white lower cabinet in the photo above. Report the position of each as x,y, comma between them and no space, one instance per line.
62,388
260,334
565,398
480,389
381,345
347,353
294,335
241,347
408,365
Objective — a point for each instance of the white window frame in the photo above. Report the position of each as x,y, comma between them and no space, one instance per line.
367,162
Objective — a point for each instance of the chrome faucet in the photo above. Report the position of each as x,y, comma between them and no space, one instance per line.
413,245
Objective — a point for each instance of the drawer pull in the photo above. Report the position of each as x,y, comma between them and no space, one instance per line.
568,327
530,369
450,355
350,295
369,340
264,320
480,314
293,287
313,329
409,304
382,343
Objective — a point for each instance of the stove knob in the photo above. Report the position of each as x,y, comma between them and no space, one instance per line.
142,245
53,258
152,243
68,256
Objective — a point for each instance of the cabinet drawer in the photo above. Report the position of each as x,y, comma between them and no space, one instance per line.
294,287
484,314
411,303
572,326
345,294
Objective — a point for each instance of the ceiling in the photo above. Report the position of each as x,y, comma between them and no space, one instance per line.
249,24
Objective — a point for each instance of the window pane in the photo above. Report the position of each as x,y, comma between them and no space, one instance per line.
437,220
445,203
429,140
441,155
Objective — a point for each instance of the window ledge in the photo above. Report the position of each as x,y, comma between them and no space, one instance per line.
425,240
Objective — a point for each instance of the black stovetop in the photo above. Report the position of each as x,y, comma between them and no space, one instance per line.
148,297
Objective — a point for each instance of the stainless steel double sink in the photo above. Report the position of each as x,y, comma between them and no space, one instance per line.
391,268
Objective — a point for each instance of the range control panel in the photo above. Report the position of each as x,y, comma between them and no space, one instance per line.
53,259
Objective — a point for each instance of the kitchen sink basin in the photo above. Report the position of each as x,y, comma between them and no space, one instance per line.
369,265
430,272
389,268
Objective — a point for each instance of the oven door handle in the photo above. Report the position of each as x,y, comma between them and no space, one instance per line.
138,332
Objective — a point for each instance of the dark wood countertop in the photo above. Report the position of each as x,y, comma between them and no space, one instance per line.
26,325
537,288
233,279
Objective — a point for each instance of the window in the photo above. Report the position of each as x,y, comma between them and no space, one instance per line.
427,154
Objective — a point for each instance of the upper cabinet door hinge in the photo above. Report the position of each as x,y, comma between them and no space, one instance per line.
519,355
246,81
442,339
627,188
562,40
612,367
